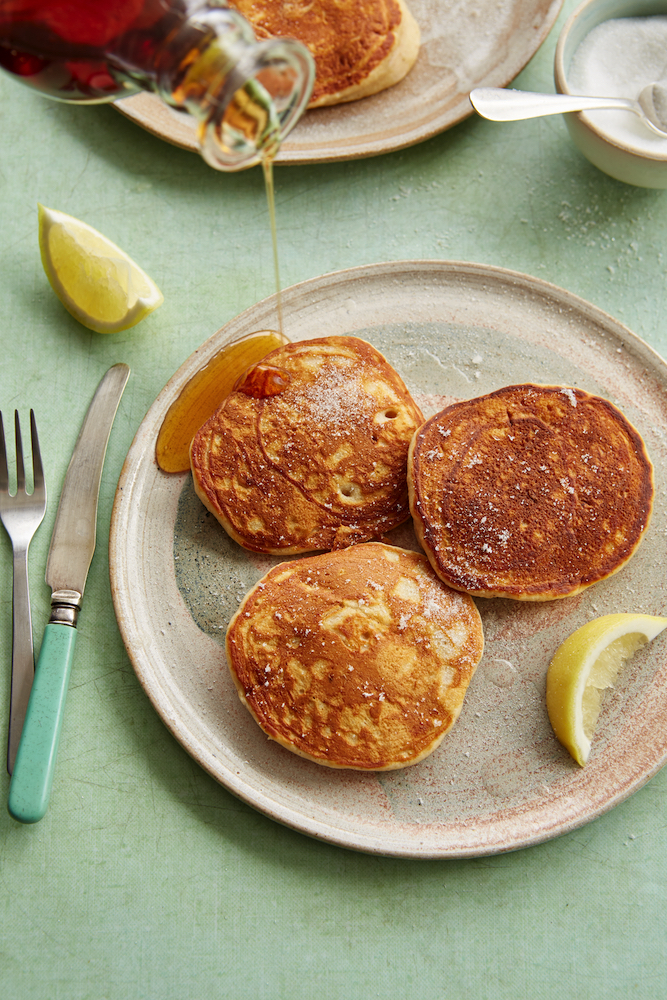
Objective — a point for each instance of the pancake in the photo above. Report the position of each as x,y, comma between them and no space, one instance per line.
310,451
532,492
360,46
355,659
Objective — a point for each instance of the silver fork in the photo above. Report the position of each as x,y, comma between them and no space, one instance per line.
21,513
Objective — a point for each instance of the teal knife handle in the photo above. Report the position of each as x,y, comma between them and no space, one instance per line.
32,777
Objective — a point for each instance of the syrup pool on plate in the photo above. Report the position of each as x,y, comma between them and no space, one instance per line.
204,393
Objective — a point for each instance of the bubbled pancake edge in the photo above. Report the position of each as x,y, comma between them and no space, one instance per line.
430,535
396,64
359,48
456,609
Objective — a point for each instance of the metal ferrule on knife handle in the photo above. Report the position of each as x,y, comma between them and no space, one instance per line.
70,555
65,607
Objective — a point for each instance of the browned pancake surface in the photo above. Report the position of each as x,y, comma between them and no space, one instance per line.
319,465
355,659
350,40
532,492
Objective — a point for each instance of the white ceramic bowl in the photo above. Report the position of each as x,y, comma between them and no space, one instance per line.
618,156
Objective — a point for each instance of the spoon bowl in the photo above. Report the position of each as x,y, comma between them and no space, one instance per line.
653,103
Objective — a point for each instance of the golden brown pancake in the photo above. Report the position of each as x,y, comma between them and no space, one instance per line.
360,46
532,492
321,463
358,659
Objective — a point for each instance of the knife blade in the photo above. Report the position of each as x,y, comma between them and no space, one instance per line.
70,555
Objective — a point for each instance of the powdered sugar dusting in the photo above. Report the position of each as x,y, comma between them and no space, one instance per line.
335,397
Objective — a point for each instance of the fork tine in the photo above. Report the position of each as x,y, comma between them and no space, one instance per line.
4,471
37,468
20,471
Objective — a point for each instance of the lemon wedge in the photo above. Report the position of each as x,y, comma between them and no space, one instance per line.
93,278
583,666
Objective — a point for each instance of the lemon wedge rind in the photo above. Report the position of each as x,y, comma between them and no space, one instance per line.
96,281
586,663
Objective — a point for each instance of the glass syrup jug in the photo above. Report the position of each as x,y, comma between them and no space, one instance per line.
196,55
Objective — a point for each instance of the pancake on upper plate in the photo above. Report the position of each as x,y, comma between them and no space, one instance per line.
532,492
360,46
359,658
310,451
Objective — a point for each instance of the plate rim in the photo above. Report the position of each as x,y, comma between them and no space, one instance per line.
309,825
145,109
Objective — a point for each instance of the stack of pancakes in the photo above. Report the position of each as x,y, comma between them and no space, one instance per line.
360,657
360,47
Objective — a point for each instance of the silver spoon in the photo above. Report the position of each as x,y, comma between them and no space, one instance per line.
500,105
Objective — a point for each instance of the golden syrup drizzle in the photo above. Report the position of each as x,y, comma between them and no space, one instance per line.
204,393
267,167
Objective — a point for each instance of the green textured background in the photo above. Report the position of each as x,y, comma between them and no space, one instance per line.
146,879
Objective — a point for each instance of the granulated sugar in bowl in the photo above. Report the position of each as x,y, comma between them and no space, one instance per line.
614,48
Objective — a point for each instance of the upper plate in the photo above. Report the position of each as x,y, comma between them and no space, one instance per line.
463,45
499,780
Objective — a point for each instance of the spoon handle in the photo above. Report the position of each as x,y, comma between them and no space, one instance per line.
501,105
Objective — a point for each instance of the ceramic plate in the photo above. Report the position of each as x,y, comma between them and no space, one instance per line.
499,780
464,45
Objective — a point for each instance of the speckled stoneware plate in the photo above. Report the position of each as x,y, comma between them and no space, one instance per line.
463,45
499,780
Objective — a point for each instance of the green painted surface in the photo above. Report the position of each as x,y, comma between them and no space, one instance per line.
146,880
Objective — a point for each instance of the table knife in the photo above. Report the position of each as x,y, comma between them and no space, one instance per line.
68,562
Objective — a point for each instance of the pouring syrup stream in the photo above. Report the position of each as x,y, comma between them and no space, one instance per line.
267,167
205,391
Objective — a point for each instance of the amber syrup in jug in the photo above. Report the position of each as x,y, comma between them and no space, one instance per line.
196,55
